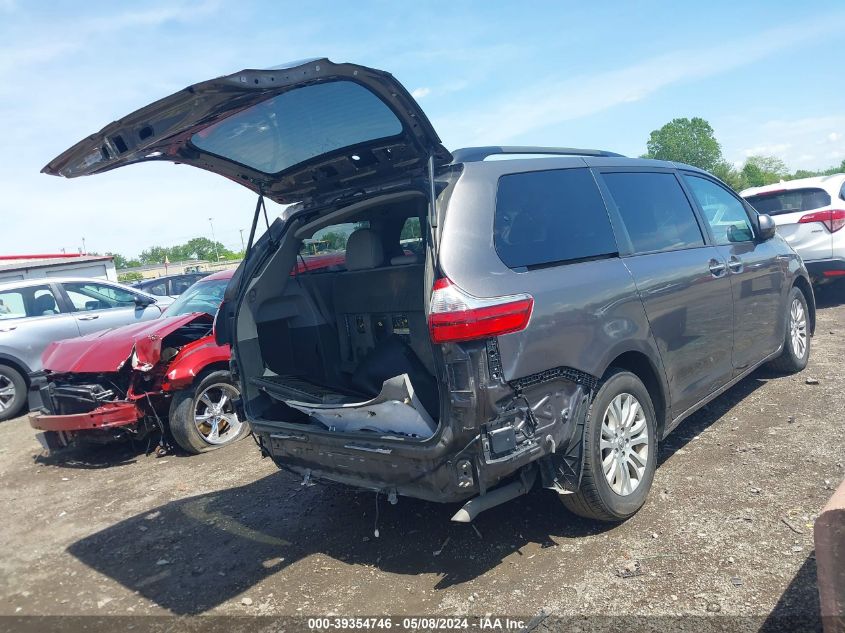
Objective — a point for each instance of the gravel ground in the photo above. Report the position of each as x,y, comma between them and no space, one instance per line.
727,529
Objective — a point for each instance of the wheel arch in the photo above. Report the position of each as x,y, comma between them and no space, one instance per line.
643,368
807,289
17,365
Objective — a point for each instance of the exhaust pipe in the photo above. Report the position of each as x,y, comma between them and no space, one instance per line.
479,504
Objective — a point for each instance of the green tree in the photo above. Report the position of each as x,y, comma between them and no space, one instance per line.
690,141
126,278
725,172
122,262
155,255
763,170
203,248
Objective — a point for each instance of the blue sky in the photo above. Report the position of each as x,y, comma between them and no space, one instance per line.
767,75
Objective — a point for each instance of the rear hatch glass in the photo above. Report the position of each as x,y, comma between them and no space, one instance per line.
790,201
296,126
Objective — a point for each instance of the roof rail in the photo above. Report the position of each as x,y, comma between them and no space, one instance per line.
476,154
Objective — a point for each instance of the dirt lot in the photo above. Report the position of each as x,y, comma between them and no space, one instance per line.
727,529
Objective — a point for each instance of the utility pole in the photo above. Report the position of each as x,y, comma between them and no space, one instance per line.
84,250
214,240
243,246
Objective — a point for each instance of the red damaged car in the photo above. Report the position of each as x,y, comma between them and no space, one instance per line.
165,378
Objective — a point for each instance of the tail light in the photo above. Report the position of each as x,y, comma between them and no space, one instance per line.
456,316
833,219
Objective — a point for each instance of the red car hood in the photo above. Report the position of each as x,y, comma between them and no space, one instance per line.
109,350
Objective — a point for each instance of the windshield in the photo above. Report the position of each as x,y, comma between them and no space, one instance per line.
203,296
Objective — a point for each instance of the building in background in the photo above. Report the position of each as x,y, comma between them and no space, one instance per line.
13,267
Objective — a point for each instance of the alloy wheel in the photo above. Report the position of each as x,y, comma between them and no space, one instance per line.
798,328
624,444
7,393
214,413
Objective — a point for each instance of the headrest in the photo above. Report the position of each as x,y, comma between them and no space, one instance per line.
45,304
364,250
404,260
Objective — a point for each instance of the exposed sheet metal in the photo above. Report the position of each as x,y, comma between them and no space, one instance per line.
395,410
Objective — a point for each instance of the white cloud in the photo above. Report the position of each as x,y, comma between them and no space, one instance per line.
767,150
553,101
47,44
419,93
805,143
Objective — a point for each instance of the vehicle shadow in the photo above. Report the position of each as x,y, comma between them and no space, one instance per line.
193,554
94,456
798,607
830,295
711,413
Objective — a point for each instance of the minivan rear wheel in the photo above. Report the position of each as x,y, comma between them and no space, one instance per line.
620,444
796,344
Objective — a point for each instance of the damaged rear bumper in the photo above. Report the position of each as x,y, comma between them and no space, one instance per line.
106,416
481,442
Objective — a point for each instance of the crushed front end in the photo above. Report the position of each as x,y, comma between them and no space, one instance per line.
120,389
93,408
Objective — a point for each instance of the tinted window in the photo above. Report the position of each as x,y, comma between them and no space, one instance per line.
791,201
550,216
204,296
27,302
94,296
159,289
724,213
655,211
178,285
295,126
410,238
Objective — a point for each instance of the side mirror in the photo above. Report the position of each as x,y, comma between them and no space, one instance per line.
143,302
765,227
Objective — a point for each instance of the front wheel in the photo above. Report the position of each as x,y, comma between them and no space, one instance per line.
620,445
796,344
204,418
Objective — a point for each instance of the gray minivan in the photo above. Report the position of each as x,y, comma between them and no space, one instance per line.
475,326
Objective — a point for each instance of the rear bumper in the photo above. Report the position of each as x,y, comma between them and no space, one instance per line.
826,269
109,415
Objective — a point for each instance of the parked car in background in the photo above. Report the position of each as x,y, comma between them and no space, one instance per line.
169,285
563,316
810,215
36,312
166,377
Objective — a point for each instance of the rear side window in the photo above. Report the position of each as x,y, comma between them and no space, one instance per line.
27,302
655,211
546,217
12,305
792,201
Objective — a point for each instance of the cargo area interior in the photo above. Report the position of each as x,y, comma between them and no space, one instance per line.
338,310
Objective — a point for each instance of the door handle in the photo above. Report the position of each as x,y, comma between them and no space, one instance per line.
89,317
717,268
735,264
8,329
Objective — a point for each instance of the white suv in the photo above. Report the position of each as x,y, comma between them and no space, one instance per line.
810,215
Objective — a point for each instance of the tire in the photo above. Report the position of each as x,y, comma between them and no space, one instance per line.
13,394
794,357
597,498
190,403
